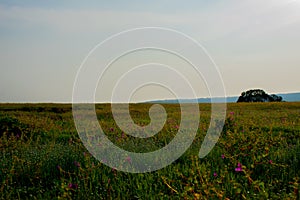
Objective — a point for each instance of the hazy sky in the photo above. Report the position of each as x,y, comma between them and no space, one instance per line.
255,43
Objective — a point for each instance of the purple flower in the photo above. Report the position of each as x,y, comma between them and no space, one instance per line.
222,156
215,174
231,113
72,186
239,167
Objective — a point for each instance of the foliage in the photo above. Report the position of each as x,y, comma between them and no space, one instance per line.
258,95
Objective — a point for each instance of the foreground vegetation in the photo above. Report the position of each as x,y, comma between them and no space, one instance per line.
257,156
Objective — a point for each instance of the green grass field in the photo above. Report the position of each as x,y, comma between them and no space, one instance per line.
256,157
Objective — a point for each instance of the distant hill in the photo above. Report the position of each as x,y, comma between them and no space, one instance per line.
291,97
288,97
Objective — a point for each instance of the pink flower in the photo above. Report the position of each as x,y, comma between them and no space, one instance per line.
72,186
231,113
77,164
91,138
222,156
128,159
283,120
215,174
239,167
114,170
123,135
270,161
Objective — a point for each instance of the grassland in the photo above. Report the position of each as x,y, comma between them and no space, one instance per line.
257,156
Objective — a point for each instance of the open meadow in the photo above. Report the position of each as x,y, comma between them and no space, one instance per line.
256,157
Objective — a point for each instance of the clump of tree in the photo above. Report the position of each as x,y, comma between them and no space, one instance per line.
258,95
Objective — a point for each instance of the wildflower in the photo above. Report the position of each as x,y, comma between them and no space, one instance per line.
77,164
283,120
114,170
72,186
128,159
239,167
222,156
91,138
270,161
215,174
111,129
231,113
123,135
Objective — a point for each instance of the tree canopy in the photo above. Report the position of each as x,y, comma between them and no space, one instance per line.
258,95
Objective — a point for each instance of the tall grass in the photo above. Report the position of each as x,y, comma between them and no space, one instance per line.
257,156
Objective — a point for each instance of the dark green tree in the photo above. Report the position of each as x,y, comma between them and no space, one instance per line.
258,95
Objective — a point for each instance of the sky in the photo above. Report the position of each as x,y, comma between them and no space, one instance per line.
254,43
